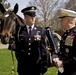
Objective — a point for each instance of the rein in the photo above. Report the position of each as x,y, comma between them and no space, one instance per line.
20,22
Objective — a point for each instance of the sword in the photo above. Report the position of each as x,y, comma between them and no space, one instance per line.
51,39
53,44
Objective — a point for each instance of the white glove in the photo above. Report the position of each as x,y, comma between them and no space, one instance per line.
61,69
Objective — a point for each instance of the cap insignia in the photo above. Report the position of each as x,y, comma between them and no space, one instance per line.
32,8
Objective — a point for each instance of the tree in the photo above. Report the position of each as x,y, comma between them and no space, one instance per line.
44,9
5,3
48,11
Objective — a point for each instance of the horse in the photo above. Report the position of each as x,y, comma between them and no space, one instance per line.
10,21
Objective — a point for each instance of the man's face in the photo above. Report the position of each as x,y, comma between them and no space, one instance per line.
65,22
29,20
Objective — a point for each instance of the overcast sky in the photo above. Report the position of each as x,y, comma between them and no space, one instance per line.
22,4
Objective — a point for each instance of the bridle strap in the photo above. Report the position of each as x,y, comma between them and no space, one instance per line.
18,33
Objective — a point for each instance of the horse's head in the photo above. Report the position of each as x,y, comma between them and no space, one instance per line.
8,23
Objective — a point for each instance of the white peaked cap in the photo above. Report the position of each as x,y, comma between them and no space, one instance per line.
65,13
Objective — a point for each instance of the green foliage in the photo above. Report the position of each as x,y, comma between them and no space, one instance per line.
5,4
6,64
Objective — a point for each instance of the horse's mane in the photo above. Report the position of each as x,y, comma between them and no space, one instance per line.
20,21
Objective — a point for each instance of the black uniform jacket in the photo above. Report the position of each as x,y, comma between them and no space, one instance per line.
68,52
31,50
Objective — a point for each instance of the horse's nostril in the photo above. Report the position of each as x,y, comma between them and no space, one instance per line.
5,38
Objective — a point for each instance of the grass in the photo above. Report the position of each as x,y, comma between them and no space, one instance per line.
6,64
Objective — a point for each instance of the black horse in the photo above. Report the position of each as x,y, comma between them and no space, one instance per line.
10,21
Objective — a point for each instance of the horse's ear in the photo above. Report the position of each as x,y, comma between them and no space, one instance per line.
15,8
2,9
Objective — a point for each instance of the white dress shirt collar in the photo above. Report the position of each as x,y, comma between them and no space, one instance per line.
29,26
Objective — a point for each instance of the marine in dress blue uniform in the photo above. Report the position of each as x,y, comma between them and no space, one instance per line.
68,44
31,50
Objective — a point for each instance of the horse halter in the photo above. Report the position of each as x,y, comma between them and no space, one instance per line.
13,29
10,20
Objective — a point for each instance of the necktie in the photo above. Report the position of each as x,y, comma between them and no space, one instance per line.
29,30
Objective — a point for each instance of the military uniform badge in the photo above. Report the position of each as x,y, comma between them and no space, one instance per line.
37,37
69,40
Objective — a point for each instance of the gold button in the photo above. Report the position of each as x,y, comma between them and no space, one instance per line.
67,50
29,38
29,48
28,53
60,52
29,44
